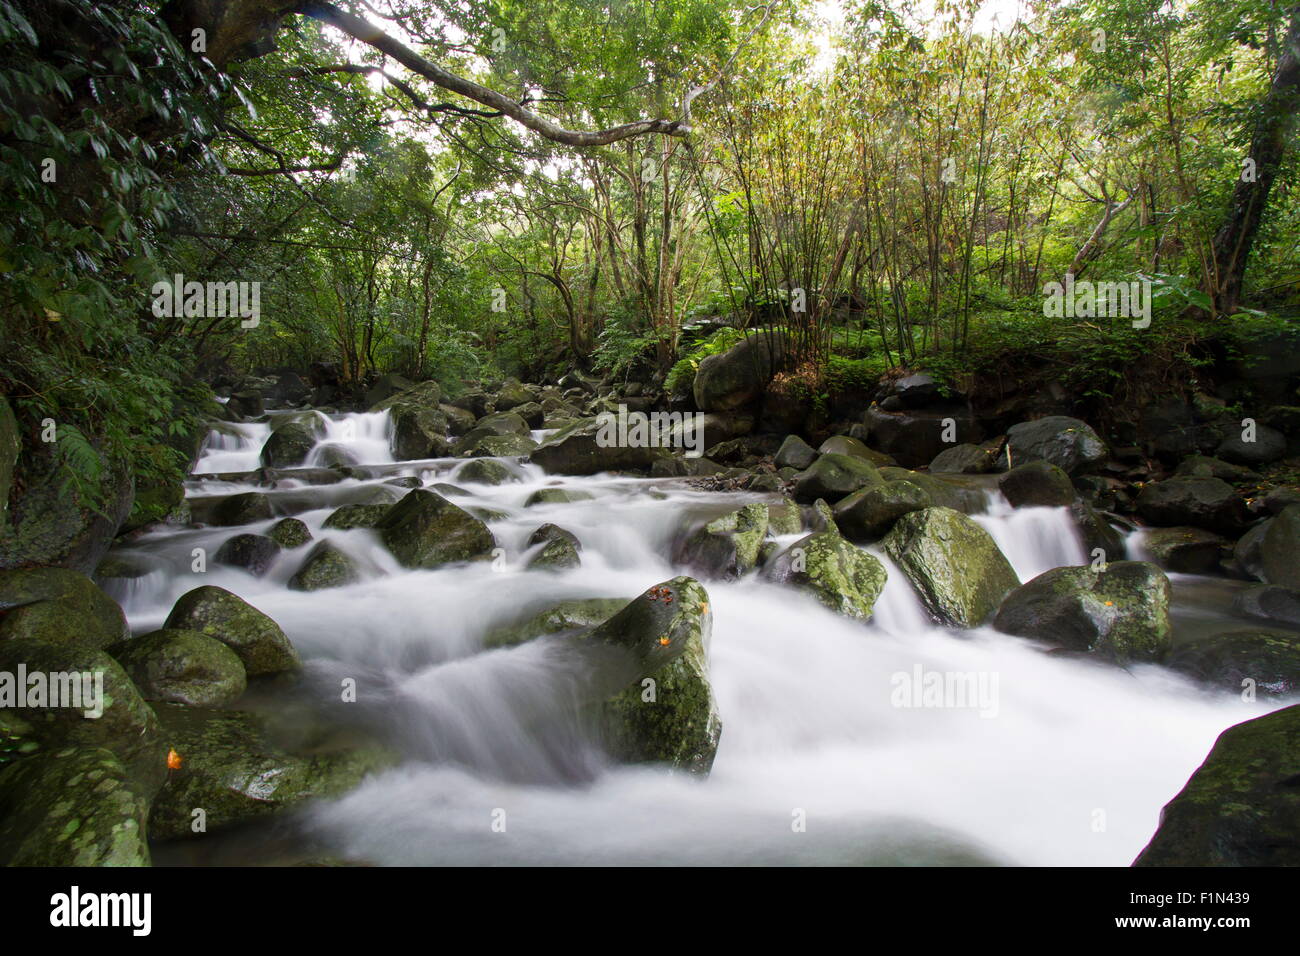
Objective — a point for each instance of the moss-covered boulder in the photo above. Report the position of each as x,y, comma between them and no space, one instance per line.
255,553
784,517
567,616
254,637
870,512
289,533
394,391
67,686
953,563
292,442
844,578
1067,443
832,476
419,432
1186,550
1241,807
237,767
245,508
326,566
75,806
1120,613
459,420
496,446
953,491
963,459
727,546
1036,483
33,601
556,496
183,667
795,453
485,471
738,377
1280,549
355,516
425,530
560,549
854,447
1268,660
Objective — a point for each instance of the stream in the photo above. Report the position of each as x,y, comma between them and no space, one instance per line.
1070,765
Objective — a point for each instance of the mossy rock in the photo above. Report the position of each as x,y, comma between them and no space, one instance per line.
1120,612
254,637
870,512
1037,483
784,517
727,546
289,533
94,617
73,807
556,496
245,508
255,553
952,492
495,446
355,516
574,615
237,768
1242,806
126,726
1187,550
485,471
1268,660
794,453
833,476
419,432
183,667
844,578
326,566
425,530
953,563
560,548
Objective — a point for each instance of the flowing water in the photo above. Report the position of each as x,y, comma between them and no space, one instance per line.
1061,762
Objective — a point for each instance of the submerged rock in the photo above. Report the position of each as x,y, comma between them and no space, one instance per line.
425,530
1267,660
326,566
485,471
244,508
1241,805
575,615
555,496
844,578
75,806
255,638
183,667
953,563
292,442
355,516
1120,613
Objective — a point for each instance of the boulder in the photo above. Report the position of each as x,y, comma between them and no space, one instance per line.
354,516
1280,549
951,492
496,446
1097,533
459,420
1248,552
1202,466
419,432
555,496
916,437
289,533
1186,550
255,553
255,638
1270,603
953,563
1268,659
1241,805
326,566
182,667
1067,443
291,443
585,448
842,577
46,593
565,617
389,386
739,376
246,508
918,390
794,453
963,459
425,530
560,548
485,471
1120,613
1036,483
727,546
848,445
72,807
833,476
511,396
1268,445
245,403
870,512
1207,503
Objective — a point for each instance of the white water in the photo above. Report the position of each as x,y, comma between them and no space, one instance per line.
1071,766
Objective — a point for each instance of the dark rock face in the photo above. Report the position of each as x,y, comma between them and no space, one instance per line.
1186,550
917,391
1266,660
255,553
739,376
326,566
1067,443
1200,502
834,476
1241,806
1037,483
1269,603
425,530
1280,549
914,437
560,548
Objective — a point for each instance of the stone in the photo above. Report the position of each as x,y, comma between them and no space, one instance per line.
794,453
842,577
870,512
1067,443
1266,660
1185,550
182,667
1037,483
326,566
1207,503
834,476
425,530
560,549
100,622
255,553
255,638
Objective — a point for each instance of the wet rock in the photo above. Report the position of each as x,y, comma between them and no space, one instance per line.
739,376
255,553
953,563
1097,533
1267,660
727,546
246,403
391,385
1268,446
833,476
326,566
1067,443
1120,613
583,448
1248,552
795,453
459,420
870,512
291,443
1280,549
73,807
485,471
1207,503
560,548
1241,805
354,516
182,667
335,455
566,616
843,578
1036,483
1186,550
532,413
555,496
237,768
1202,466
127,725
964,459
947,492
246,508
784,517
289,533
419,431
915,437
43,594
496,446
918,391
255,638
848,445
425,530
1270,603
